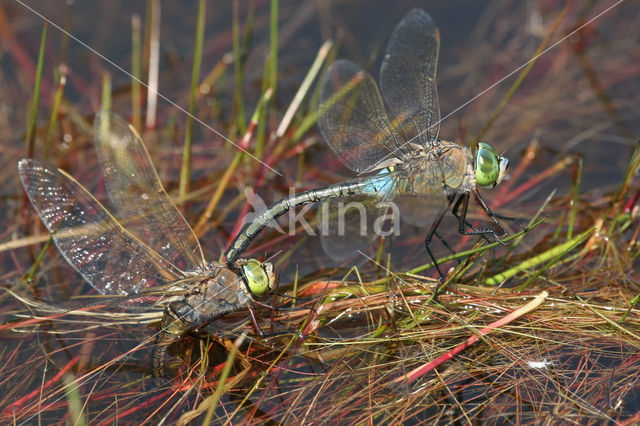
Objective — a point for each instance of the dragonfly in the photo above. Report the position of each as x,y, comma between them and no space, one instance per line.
142,252
396,154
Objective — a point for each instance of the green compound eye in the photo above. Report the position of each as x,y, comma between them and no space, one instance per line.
257,277
491,168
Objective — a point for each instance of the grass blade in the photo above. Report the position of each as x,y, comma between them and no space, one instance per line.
33,113
185,172
136,72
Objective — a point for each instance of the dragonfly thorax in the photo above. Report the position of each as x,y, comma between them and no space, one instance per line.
447,166
220,293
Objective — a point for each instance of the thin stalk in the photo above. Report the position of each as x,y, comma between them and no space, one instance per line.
535,217
154,62
614,324
262,115
380,251
238,69
74,400
105,100
215,398
224,181
273,51
146,41
300,168
185,171
266,374
304,88
575,191
632,305
33,114
634,164
55,108
551,255
36,263
294,289
212,77
136,73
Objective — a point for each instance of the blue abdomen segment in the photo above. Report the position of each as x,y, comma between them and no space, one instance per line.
381,185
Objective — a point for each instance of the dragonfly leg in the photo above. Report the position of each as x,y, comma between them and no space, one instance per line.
495,216
280,308
254,322
446,244
427,246
275,308
462,219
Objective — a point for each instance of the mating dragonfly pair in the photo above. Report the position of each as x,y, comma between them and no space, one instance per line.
144,249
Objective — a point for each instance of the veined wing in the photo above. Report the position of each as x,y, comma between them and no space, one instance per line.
376,210
408,77
353,222
112,260
353,121
140,201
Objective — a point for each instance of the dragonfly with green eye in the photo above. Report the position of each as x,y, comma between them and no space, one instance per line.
142,253
413,168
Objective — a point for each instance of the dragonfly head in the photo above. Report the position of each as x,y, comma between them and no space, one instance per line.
491,167
259,276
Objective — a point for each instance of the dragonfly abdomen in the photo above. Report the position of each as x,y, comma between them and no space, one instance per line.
253,228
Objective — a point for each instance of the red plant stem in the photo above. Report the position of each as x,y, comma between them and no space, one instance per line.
147,403
632,202
21,55
17,404
524,163
420,371
556,168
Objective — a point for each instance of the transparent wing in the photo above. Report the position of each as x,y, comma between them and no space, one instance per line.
354,222
353,121
111,259
140,201
420,210
408,77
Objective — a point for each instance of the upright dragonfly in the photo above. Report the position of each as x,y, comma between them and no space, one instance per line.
412,166
143,252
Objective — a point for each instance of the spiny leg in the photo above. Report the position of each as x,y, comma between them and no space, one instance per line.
446,244
495,216
274,308
427,245
455,213
254,322
462,220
